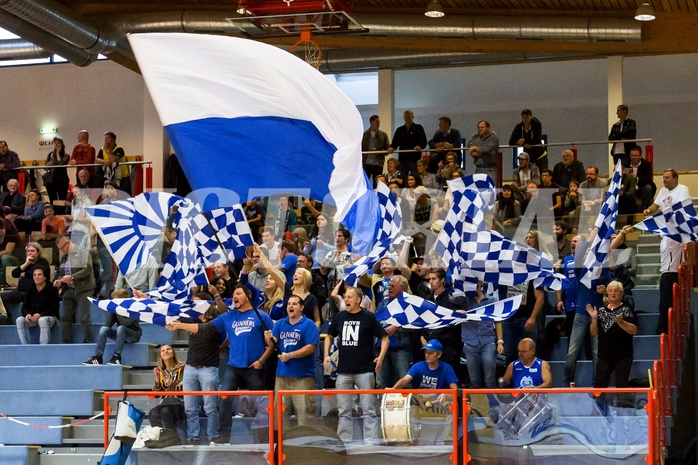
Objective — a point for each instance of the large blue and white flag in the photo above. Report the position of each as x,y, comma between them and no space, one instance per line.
412,312
606,226
130,228
678,222
154,311
391,221
263,120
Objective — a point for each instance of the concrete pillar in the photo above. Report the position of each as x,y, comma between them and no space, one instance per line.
386,101
156,144
615,96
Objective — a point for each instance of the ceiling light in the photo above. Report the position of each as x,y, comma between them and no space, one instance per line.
645,12
434,9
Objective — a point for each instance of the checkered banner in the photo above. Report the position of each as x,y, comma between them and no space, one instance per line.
494,258
130,228
391,221
155,311
412,312
223,227
606,224
677,222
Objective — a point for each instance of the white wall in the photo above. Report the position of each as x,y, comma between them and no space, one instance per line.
101,97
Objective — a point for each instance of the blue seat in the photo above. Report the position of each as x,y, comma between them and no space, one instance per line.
14,433
69,354
50,403
21,378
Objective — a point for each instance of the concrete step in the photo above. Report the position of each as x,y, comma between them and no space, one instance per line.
646,258
71,456
647,238
648,281
650,267
139,354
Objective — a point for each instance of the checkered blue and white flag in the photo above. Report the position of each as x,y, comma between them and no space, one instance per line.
412,312
223,226
606,224
130,228
154,311
678,222
494,258
467,207
391,221
184,268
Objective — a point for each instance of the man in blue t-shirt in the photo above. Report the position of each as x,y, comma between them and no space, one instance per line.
297,337
431,373
247,349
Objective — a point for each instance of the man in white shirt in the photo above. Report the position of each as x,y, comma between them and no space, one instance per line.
272,246
670,251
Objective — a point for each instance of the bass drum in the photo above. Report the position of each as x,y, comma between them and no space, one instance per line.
395,419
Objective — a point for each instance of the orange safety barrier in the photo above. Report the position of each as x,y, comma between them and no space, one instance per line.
119,395
652,408
327,393
659,396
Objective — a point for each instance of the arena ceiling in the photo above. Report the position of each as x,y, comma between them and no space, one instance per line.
381,33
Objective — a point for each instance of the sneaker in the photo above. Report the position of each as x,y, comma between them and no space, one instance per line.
96,360
193,442
115,360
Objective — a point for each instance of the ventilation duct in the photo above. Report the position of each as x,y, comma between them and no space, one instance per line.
58,20
20,49
44,40
559,29
348,60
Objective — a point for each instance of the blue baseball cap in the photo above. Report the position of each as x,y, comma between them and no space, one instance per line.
434,345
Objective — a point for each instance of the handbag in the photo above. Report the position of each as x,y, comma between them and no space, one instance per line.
47,177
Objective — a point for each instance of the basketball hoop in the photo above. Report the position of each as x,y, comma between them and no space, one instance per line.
307,50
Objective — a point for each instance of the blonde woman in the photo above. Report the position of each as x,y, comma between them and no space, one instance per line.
169,414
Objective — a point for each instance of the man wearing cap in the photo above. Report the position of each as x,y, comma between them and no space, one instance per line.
430,373
528,371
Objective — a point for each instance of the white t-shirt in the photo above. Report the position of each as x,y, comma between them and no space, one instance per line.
273,252
666,198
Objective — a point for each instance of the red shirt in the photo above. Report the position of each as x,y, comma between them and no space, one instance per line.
84,154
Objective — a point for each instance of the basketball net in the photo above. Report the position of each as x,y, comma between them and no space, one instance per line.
307,50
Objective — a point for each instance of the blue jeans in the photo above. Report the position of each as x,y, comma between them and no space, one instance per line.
44,323
201,379
395,366
234,379
345,426
481,360
514,331
580,326
106,273
121,335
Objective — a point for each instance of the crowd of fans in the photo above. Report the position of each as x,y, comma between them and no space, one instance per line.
285,330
